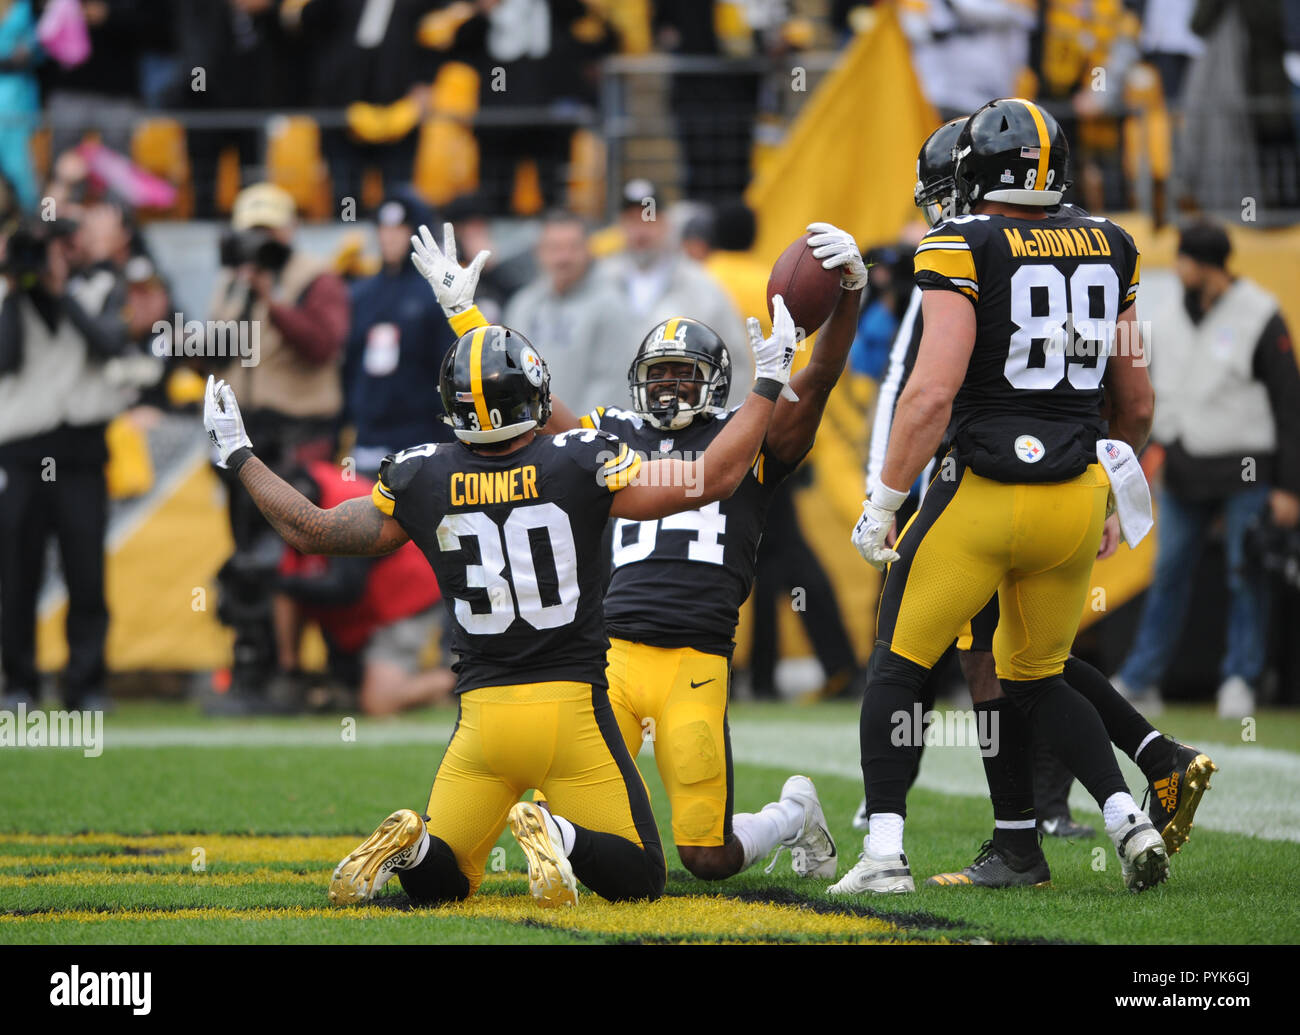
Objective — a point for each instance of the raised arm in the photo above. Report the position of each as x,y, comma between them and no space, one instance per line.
664,487
794,424
353,528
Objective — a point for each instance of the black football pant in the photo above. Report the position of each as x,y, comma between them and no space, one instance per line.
786,562
66,498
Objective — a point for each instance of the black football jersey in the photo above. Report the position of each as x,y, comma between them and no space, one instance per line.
1047,295
515,541
679,581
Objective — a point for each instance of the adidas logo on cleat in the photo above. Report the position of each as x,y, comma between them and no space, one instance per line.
1167,791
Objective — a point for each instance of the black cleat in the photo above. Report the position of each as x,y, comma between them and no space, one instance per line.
1174,798
998,868
1066,827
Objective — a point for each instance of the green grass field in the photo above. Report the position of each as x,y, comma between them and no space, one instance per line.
191,830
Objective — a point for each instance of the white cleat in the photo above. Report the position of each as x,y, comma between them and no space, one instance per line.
812,849
550,876
861,821
1143,859
888,875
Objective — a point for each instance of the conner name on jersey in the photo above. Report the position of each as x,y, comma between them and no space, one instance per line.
476,488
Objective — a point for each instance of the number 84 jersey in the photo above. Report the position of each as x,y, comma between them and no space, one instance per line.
516,542
680,581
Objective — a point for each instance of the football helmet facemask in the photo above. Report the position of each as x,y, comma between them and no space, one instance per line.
935,188
680,340
494,386
1012,151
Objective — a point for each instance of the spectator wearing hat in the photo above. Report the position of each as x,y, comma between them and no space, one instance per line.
395,348
655,281
571,315
1228,416
296,312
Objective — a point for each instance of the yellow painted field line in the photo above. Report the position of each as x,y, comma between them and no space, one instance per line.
73,878
714,919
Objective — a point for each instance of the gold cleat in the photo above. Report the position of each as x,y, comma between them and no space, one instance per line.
1175,798
550,877
369,866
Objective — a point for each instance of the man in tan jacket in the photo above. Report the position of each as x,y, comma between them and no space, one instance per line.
289,314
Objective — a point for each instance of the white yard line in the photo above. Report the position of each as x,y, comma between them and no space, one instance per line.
1255,792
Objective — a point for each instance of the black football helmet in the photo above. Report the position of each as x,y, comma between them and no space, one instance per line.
494,385
935,188
1012,151
680,340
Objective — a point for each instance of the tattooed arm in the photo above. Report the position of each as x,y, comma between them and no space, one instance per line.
354,528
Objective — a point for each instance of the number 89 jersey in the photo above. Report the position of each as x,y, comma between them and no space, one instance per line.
515,540
680,581
1047,296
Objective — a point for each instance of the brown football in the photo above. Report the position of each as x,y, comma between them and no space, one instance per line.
809,289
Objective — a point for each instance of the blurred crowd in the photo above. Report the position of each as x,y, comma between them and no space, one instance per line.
1119,75
497,95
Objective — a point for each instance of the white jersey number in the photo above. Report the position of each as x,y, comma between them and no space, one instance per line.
520,594
1093,287
708,523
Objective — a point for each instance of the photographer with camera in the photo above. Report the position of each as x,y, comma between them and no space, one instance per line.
55,403
296,313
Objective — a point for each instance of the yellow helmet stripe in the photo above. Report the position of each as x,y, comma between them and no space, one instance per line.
670,331
1044,147
476,378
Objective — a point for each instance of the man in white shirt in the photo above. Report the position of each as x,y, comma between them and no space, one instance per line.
574,318
656,282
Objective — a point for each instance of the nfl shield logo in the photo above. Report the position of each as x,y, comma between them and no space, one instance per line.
665,445
1112,450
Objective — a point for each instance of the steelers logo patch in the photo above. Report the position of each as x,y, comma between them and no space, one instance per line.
532,364
1029,449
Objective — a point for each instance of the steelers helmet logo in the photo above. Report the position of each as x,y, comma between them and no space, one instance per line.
532,364
1029,449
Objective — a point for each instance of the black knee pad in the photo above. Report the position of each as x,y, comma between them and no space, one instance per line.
887,666
1026,693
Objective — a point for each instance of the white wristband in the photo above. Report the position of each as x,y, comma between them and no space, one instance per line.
886,498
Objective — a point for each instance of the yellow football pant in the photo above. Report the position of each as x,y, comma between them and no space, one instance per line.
676,698
1033,544
558,737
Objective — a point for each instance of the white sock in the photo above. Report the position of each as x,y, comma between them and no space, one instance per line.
788,815
568,836
1118,807
885,836
420,853
759,832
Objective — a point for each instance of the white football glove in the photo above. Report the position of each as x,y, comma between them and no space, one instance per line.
836,247
773,356
452,285
874,525
221,418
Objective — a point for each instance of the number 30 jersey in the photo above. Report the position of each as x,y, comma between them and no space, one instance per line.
515,540
680,581
1047,296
